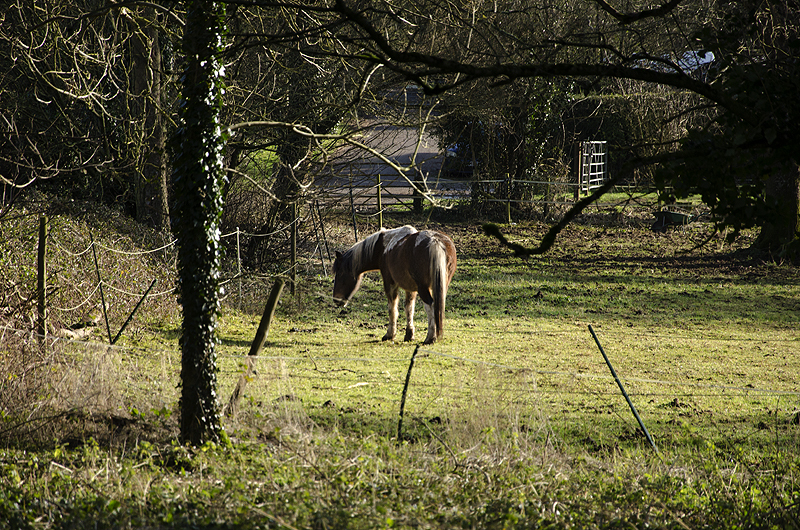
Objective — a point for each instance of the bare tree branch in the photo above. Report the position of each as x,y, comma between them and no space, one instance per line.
629,18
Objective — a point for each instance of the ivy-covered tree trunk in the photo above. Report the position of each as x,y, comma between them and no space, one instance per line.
197,210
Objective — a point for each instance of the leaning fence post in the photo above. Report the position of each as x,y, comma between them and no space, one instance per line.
255,347
135,309
100,285
624,393
405,391
322,228
319,243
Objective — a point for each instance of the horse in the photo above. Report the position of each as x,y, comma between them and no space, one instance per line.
419,262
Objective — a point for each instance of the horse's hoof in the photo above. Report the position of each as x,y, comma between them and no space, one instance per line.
387,337
429,341
409,337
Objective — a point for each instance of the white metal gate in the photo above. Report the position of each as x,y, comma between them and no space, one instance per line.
592,166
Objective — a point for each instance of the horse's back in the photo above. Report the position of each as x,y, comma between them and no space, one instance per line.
395,235
439,247
413,260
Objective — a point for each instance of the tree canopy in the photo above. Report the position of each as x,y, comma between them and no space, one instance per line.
740,57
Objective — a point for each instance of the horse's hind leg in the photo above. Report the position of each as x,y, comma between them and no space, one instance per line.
393,296
431,337
427,301
411,298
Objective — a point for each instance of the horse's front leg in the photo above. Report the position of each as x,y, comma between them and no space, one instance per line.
411,298
393,296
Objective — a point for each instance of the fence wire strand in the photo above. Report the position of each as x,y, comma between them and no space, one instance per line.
429,354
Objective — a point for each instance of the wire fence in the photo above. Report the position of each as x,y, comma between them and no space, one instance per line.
469,393
368,193
90,286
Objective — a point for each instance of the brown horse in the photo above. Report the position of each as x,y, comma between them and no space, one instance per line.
417,262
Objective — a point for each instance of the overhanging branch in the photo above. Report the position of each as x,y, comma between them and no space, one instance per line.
551,235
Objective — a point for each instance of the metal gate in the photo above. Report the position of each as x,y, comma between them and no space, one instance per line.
592,165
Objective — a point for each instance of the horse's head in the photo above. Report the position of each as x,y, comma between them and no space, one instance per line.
346,282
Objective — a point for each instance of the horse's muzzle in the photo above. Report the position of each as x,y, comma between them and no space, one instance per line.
340,302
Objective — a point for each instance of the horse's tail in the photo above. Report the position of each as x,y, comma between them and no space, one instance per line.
440,276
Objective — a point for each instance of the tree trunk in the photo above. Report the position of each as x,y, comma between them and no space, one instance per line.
517,163
287,190
146,83
159,152
781,237
197,180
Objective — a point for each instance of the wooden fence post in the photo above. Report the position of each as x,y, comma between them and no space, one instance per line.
353,210
577,161
322,229
380,205
417,195
509,186
100,286
319,242
239,263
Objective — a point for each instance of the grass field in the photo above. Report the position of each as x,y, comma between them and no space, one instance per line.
512,421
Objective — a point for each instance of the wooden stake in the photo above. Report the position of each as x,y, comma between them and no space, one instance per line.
100,285
380,205
293,242
255,347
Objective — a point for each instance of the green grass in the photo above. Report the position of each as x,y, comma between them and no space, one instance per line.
512,421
